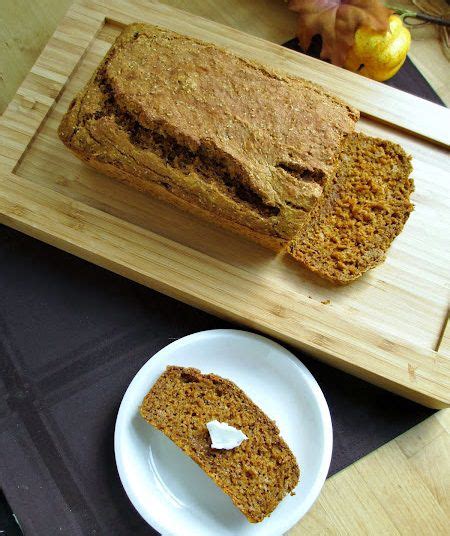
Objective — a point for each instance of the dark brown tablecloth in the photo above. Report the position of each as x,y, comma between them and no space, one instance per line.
72,336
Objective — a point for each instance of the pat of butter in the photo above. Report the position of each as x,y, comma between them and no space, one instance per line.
224,436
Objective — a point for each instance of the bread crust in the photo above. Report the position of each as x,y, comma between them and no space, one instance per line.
200,128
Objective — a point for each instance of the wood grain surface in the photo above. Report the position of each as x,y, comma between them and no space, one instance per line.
401,488
422,452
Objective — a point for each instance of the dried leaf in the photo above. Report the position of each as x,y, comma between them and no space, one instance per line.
337,21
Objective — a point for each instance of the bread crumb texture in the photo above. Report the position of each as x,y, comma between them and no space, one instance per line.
362,210
259,473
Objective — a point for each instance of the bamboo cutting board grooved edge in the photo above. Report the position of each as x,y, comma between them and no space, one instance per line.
383,328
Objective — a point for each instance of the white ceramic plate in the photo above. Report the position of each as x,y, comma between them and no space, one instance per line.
169,490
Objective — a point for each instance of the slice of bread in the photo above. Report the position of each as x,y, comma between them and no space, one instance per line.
363,209
257,474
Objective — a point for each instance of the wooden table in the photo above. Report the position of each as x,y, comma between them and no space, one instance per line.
401,488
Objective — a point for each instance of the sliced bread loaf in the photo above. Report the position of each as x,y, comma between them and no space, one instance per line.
259,472
212,133
363,209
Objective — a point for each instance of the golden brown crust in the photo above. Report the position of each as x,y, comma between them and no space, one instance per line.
259,473
363,209
153,188
164,111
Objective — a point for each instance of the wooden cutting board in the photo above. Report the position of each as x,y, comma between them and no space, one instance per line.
386,328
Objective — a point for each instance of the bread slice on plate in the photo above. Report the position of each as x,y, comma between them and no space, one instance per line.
258,473
363,209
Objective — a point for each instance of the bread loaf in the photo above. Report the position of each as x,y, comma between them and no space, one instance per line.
208,131
258,473
270,156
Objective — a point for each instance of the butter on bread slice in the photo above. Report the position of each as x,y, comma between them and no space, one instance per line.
258,473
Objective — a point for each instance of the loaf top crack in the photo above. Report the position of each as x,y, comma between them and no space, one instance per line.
260,118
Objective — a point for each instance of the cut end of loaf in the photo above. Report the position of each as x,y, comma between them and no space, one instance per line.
363,209
259,473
